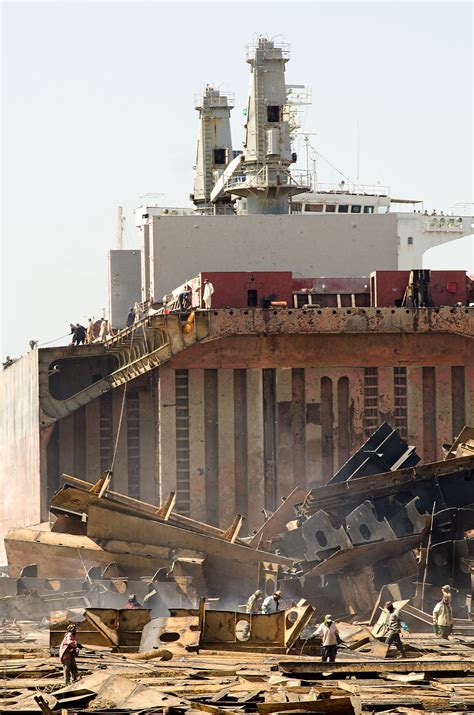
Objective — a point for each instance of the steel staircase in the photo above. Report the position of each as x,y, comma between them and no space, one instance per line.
137,350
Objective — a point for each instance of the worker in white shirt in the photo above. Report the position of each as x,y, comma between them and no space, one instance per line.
207,293
252,603
270,603
443,618
330,637
251,607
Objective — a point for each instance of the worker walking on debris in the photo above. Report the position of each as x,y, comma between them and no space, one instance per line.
133,602
443,617
67,654
270,603
330,637
394,628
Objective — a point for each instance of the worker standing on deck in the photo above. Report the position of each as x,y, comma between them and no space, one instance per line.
90,332
330,637
271,603
252,604
133,602
67,654
79,334
443,617
251,607
394,627
184,298
103,331
207,293
137,312
130,317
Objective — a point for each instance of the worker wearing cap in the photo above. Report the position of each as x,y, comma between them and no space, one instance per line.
251,607
271,603
67,654
252,603
447,592
330,637
443,618
133,602
394,627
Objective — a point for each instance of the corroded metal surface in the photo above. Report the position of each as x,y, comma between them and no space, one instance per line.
157,339
457,320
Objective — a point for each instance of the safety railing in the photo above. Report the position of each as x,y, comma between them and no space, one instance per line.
273,50
214,98
350,188
268,176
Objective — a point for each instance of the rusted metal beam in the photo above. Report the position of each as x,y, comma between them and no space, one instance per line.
277,522
109,634
165,510
82,498
106,524
358,557
355,490
232,532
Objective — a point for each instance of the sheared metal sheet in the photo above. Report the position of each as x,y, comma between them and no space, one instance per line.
363,526
383,451
463,445
364,555
447,483
322,537
279,629
409,520
121,693
71,556
105,627
176,634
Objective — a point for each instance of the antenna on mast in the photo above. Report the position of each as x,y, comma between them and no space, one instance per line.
358,157
307,147
120,222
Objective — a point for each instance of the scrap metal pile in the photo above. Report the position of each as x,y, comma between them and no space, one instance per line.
179,678
385,527
103,546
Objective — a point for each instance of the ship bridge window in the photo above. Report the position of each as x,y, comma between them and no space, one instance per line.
343,209
355,209
273,113
219,156
330,208
368,209
296,207
313,208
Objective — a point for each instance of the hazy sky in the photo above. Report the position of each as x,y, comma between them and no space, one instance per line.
97,110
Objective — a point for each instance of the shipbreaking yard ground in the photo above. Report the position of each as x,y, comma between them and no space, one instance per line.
383,528
441,680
